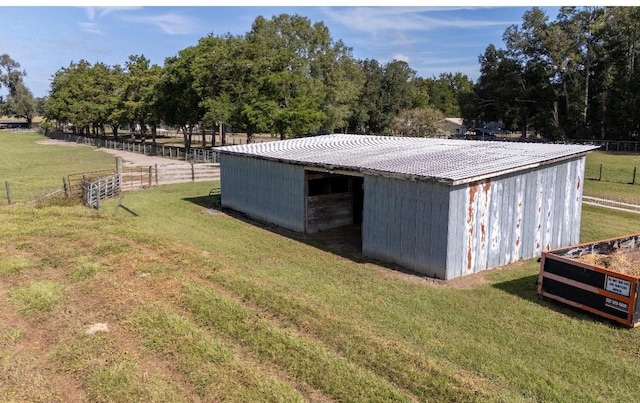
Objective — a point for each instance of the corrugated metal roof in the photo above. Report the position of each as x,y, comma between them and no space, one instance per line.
451,161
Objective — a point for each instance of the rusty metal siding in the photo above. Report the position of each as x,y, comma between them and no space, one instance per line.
498,221
266,190
405,222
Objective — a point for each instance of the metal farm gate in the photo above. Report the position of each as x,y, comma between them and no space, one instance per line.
93,192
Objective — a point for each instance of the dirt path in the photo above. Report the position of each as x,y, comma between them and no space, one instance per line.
128,158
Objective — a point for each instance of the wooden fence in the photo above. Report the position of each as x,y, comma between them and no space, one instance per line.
195,154
146,176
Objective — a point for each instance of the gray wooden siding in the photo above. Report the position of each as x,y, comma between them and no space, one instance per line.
498,221
263,189
405,222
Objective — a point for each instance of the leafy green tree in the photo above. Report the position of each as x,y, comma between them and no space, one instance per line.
344,82
302,116
502,91
446,92
617,75
10,75
387,90
40,103
70,100
419,122
86,96
57,106
366,115
216,80
420,92
138,96
290,58
396,88
569,52
21,103
178,102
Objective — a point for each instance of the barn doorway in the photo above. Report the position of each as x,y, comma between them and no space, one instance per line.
333,207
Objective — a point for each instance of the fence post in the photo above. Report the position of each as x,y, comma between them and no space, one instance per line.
7,185
156,174
193,173
600,176
150,175
634,176
98,197
119,168
65,186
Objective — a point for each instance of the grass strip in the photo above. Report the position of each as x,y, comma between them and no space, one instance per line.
109,373
215,372
303,359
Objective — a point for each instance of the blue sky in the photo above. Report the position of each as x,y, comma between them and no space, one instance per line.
432,40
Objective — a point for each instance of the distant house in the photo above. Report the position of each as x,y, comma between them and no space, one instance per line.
9,122
12,123
455,127
444,208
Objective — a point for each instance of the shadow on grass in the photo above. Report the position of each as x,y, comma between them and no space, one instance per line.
344,241
527,288
524,287
212,200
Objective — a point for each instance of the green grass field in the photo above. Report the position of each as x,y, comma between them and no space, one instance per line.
617,174
32,169
203,307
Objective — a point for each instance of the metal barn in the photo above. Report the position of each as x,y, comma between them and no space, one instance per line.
444,208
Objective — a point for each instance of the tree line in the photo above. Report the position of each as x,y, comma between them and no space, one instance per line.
286,76
572,77
577,76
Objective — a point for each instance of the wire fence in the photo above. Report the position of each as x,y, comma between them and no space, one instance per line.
615,174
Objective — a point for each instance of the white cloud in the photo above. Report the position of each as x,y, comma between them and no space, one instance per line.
170,23
402,58
104,11
376,19
91,27
91,13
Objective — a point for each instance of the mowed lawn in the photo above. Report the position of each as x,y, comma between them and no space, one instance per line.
617,176
181,304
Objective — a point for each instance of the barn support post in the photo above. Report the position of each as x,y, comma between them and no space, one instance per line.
7,186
